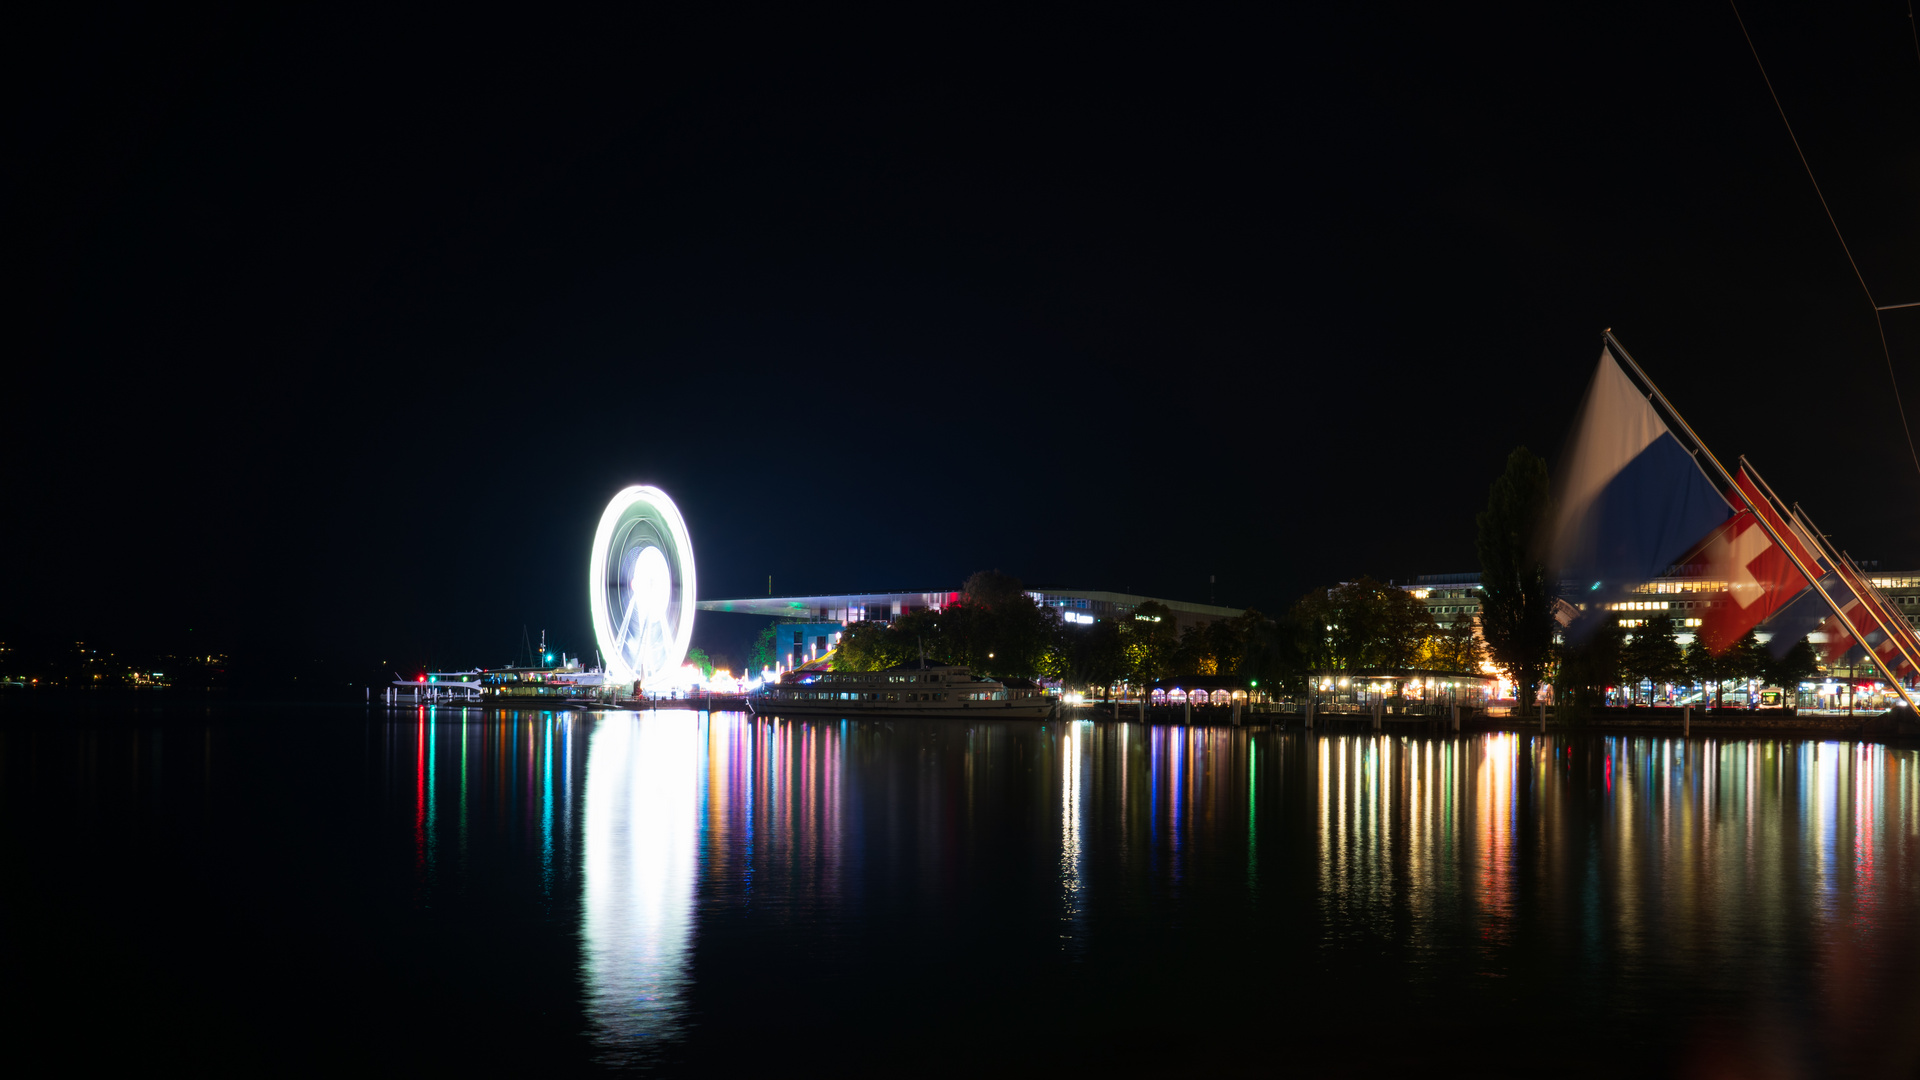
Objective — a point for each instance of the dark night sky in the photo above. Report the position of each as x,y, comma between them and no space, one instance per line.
333,330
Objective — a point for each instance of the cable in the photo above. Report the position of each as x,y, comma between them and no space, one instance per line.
1912,28
1861,278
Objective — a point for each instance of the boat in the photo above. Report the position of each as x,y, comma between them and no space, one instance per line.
924,690
435,688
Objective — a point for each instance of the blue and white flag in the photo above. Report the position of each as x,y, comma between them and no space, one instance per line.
1630,500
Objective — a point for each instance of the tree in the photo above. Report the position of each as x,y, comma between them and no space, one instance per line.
1215,648
995,628
1270,651
1516,615
699,658
1097,657
1150,639
1714,662
761,656
1797,665
1705,667
1591,662
869,646
1748,659
1654,654
1456,648
1362,624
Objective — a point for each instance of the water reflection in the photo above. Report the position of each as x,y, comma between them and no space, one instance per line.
1640,879
1075,761
642,814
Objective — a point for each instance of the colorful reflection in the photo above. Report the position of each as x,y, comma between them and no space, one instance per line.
642,817
1637,863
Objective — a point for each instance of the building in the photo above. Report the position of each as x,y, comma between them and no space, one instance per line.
1451,596
1448,596
814,623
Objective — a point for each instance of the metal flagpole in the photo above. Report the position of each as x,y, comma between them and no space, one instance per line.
1903,638
1821,540
1620,352
1818,540
1884,614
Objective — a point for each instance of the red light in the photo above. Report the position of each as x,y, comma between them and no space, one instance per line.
423,678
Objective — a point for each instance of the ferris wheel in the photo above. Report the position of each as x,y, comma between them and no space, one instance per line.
641,587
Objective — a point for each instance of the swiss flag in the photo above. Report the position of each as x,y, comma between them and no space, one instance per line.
1760,578
1886,629
1839,641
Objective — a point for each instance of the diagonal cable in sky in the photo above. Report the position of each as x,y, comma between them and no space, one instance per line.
1861,278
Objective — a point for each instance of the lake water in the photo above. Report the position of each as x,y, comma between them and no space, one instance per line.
269,887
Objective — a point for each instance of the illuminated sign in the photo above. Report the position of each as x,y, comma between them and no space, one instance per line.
640,587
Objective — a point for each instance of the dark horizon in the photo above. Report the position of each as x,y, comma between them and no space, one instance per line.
339,329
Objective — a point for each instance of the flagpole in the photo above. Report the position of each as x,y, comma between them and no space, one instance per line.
1889,618
1881,612
1903,638
1620,352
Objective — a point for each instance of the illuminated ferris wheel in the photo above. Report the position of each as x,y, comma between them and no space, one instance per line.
641,586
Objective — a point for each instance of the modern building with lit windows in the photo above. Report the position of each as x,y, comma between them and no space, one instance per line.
814,623
1449,596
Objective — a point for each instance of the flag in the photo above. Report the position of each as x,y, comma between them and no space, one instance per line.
1630,499
1887,632
1886,629
1868,616
1760,574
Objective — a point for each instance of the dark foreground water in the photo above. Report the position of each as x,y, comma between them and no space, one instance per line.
300,888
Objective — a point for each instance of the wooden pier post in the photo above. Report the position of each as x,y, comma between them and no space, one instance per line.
1456,717
1189,719
1686,720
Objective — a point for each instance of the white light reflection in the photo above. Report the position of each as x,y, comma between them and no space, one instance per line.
1072,858
642,817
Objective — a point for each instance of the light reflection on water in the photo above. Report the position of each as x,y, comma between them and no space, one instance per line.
642,812
1652,880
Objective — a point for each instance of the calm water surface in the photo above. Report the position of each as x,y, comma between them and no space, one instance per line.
295,887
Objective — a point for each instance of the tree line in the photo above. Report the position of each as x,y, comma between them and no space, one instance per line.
1595,653
997,629
1651,654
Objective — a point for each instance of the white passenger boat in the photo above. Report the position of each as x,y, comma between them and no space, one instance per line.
933,690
